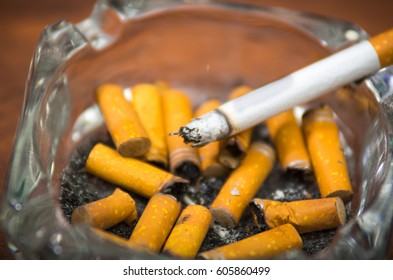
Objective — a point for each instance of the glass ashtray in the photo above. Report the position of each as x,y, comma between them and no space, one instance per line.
204,48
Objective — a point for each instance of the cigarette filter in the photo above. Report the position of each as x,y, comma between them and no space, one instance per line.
189,232
264,245
234,148
327,156
288,139
242,185
383,46
183,159
132,174
156,222
122,121
146,99
305,215
209,154
107,212
323,76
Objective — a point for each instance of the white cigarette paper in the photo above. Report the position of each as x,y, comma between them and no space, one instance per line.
328,74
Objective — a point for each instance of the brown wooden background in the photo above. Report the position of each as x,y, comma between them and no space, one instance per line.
21,22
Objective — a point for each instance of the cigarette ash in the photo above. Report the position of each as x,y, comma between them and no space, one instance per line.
315,242
190,135
219,236
203,192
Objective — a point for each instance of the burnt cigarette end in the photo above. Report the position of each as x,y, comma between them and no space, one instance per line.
190,135
176,188
232,154
188,170
257,214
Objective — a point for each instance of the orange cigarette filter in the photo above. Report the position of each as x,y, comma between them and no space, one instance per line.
208,154
327,156
383,45
288,139
146,99
107,212
242,185
189,232
234,148
156,222
268,244
183,159
122,121
129,173
305,215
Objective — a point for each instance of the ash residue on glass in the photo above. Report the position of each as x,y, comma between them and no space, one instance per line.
78,188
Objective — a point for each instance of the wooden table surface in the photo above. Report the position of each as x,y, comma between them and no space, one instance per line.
22,21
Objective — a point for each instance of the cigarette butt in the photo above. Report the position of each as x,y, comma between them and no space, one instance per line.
288,139
146,99
305,215
156,222
264,245
242,185
189,232
383,45
209,154
183,159
326,153
123,123
132,174
107,212
234,148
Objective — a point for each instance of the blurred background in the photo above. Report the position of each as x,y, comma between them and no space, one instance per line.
21,22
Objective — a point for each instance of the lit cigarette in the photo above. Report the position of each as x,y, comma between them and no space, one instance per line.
264,245
209,153
242,185
156,222
189,232
305,215
132,174
327,156
146,99
107,212
234,148
122,121
183,159
288,139
330,73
